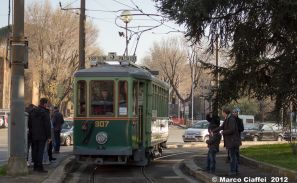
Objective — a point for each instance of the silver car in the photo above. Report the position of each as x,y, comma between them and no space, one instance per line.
198,132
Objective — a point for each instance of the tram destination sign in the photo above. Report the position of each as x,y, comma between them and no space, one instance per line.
113,57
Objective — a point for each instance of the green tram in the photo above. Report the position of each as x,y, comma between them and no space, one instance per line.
121,114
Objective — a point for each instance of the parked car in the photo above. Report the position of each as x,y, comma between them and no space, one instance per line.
4,118
67,132
198,132
262,131
287,134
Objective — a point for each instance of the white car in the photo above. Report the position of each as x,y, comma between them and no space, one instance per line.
3,121
198,132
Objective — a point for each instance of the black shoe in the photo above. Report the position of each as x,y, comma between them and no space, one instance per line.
40,170
52,159
56,152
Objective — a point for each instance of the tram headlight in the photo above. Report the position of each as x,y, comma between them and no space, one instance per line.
101,137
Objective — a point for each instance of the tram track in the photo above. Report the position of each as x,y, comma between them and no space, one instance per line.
150,180
92,179
145,173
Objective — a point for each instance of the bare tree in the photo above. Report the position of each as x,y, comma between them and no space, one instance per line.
178,64
53,36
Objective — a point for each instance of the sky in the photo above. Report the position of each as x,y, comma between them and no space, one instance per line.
107,21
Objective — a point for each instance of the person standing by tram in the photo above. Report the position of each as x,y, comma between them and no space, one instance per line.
57,121
39,120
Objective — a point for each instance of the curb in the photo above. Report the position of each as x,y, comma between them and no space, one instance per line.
192,169
58,175
174,146
272,169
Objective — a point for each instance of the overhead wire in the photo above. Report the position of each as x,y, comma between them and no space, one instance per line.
131,8
137,7
123,4
70,3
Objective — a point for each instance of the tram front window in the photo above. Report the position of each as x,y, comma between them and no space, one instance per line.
123,98
81,98
102,98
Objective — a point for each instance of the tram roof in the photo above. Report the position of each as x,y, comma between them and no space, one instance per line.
107,70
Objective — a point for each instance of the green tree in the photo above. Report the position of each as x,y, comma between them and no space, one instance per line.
246,105
261,36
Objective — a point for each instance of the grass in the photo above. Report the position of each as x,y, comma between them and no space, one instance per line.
3,170
276,154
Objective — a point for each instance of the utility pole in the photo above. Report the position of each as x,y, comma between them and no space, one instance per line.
192,88
82,34
216,101
16,163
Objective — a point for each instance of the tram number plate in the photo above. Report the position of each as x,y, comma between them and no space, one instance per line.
101,124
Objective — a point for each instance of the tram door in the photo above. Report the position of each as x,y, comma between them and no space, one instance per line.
139,107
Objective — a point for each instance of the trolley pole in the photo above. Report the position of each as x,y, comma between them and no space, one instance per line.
16,163
82,43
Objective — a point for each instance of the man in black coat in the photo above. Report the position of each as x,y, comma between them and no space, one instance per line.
40,129
240,126
231,139
58,121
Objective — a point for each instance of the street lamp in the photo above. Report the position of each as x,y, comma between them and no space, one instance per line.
126,17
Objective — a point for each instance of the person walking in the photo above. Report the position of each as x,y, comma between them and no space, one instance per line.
213,147
58,121
39,120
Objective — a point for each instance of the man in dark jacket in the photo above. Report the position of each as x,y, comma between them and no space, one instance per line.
39,122
58,121
231,139
240,126
213,147
29,109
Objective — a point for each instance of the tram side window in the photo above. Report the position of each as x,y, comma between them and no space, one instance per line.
102,98
123,98
135,98
81,98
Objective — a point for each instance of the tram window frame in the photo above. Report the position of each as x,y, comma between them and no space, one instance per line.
103,86
135,89
80,101
121,108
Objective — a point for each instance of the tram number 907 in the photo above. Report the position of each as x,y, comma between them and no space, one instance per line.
101,124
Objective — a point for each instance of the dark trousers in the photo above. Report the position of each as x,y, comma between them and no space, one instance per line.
37,153
233,159
29,145
238,155
211,160
50,150
57,140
